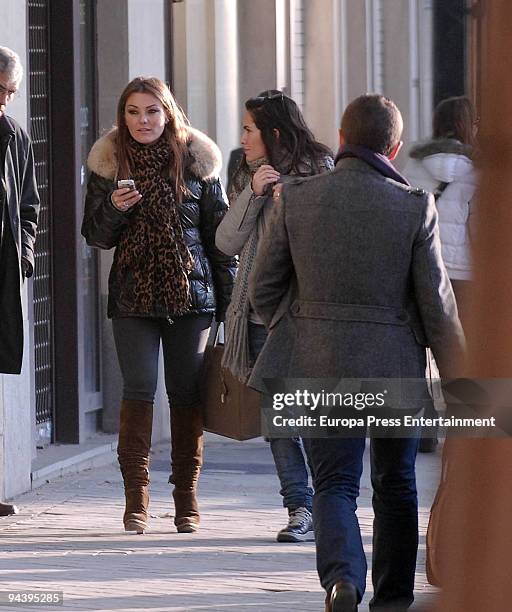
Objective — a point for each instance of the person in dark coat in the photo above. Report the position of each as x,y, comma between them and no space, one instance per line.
19,210
350,283
167,280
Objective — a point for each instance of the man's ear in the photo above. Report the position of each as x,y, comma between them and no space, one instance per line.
395,151
342,138
276,133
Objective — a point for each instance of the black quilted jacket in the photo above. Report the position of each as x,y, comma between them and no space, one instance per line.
211,280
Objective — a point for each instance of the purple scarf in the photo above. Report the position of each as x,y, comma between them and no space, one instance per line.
378,161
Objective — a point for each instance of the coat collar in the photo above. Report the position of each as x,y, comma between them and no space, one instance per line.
353,163
360,166
6,127
440,145
376,160
206,156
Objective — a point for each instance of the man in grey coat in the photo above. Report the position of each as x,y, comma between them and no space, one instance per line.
350,282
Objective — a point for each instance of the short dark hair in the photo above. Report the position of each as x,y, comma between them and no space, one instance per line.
455,117
372,121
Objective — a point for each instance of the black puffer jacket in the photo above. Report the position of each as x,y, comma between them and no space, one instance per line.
211,280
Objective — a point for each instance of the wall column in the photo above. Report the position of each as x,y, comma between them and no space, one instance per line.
17,402
322,69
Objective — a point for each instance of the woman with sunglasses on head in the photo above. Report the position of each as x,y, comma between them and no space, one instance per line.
277,144
166,282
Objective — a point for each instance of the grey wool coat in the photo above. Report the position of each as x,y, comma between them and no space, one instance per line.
350,282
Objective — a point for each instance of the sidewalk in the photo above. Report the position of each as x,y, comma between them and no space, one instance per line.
69,537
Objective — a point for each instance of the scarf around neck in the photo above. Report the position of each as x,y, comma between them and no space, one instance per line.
152,259
378,161
236,356
243,176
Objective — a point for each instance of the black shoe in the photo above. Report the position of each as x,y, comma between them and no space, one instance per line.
300,521
343,598
7,509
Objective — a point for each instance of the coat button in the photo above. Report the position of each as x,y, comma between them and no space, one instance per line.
296,308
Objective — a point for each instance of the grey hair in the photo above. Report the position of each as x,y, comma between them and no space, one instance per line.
10,65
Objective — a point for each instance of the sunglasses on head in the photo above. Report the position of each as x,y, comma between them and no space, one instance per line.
270,96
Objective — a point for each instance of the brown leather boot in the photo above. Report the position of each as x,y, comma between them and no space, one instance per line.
133,453
186,462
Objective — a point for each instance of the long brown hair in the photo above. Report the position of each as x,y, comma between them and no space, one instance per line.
175,131
455,117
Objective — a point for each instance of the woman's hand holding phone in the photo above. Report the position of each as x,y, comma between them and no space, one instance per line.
125,196
264,175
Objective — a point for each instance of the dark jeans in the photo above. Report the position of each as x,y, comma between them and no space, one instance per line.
288,452
338,465
137,342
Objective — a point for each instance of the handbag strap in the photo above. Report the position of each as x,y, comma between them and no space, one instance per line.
438,191
225,389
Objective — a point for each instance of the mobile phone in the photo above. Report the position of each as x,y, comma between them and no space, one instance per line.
130,183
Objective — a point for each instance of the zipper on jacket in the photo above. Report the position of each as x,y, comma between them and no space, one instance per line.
205,273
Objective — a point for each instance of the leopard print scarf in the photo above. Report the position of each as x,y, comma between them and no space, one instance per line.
152,259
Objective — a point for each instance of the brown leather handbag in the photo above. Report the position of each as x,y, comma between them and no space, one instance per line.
432,539
438,531
230,408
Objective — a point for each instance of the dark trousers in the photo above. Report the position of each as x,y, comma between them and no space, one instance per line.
138,341
337,466
287,452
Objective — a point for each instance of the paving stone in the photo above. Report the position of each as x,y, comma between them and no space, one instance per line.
69,536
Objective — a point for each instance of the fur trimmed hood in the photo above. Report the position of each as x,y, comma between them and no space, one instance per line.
206,156
440,145
440,160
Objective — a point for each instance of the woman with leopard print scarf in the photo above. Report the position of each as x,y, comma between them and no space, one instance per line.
277,144
167,279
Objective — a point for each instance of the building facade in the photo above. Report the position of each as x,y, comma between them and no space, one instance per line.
78,55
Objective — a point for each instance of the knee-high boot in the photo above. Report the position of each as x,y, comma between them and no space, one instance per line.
133,453
186,462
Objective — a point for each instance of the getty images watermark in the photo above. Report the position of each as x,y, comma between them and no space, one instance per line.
385,408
